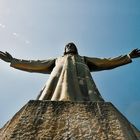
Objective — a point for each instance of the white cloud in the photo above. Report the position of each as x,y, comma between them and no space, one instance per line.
2,25
27,41
15,34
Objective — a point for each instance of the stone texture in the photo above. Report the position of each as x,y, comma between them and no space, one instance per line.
52,120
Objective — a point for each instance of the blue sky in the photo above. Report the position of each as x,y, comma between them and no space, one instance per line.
39,29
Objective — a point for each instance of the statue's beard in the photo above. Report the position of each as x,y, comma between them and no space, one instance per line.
71,52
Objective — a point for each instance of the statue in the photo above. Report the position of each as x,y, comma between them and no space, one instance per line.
70,75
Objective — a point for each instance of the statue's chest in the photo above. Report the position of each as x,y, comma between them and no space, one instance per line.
69,60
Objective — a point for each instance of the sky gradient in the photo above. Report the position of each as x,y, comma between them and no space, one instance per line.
39,29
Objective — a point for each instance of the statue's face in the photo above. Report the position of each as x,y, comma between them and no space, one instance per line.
70,48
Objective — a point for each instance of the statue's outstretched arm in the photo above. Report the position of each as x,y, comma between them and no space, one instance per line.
97,64
41,66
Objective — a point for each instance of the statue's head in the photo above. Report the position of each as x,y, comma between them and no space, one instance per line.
70,48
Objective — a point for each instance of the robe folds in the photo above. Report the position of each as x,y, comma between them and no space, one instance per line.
70,75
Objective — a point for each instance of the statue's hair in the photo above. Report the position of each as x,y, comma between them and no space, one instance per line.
71,43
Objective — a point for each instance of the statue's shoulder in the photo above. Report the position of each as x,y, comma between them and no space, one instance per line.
60,58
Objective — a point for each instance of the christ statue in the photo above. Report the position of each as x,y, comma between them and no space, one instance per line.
70,75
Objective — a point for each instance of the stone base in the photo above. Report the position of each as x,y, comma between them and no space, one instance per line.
52,120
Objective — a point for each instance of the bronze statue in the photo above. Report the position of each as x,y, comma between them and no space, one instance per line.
70,78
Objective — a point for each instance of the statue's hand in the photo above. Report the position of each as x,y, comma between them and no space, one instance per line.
6,56
135,53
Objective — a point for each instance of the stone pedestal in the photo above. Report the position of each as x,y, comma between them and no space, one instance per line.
52,120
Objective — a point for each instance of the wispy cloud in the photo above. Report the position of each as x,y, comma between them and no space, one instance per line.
27,41
20,37
2,25
15,34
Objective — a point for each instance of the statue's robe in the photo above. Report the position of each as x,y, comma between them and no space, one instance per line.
70,75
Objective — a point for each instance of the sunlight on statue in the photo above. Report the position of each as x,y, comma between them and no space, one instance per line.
70,75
